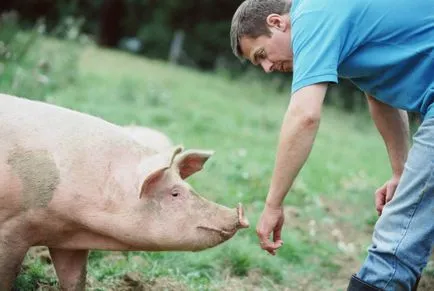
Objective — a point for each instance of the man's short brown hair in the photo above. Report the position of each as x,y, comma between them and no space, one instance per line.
250,20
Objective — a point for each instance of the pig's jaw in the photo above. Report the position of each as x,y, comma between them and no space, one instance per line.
227,234
224,233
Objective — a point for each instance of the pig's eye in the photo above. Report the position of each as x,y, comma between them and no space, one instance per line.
175,193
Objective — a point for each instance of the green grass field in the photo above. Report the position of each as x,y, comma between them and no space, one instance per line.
329,211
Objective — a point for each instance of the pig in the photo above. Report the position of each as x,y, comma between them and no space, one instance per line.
150,138
74,182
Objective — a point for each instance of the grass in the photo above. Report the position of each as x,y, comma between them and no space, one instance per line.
240,120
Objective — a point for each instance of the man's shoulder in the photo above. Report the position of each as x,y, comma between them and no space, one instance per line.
324,8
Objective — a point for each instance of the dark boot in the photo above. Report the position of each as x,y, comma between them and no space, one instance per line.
357,284
415,285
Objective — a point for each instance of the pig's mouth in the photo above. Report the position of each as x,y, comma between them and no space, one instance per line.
224,233
241,223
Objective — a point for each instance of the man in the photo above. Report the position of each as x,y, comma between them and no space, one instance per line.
386,47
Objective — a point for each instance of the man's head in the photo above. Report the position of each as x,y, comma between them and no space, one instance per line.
261,33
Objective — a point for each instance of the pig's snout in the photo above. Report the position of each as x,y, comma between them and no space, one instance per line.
225,223
227,232
242,220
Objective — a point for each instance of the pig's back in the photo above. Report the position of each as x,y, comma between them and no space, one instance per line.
33,124
46,149
43,124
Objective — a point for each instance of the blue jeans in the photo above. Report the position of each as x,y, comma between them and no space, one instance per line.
404,234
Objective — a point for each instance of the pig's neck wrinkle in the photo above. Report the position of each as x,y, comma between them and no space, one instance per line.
90,240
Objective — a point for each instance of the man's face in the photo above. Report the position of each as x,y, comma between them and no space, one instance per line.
274,52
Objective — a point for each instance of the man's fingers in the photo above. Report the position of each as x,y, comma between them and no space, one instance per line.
277,236
271,248
380,199
268,245
269,224
382,189
379,210
263,239
390,192
379,203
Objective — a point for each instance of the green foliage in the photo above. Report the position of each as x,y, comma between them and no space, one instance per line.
33,277
153,24
239,120
27,67
206,24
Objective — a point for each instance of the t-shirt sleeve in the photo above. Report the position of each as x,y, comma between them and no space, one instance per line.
317,42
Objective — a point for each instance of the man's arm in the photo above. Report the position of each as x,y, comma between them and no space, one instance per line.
393,126
298,131
299,128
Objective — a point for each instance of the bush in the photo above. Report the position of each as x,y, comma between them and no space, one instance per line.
27,67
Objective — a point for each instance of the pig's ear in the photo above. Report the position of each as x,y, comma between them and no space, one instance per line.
191,161
160,163
150,181
175,151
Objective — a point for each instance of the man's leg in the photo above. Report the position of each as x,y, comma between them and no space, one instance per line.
404,234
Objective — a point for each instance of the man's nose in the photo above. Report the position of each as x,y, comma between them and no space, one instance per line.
267,66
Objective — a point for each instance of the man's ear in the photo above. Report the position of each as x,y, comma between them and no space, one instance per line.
277,21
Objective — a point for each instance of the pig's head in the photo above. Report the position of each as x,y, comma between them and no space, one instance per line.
177,218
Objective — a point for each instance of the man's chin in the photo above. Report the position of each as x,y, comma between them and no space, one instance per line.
285,68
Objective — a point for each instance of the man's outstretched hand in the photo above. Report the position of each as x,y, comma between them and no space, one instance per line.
271,221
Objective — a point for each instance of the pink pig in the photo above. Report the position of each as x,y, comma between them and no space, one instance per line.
74,182
149,137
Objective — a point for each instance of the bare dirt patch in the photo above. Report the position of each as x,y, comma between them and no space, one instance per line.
136,282
332,227
350,241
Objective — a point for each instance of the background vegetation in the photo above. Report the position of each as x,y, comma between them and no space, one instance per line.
329,212
189,33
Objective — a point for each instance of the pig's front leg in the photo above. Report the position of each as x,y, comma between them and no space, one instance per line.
11,257
70,266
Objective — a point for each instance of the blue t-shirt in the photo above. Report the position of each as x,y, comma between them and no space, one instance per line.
385,47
